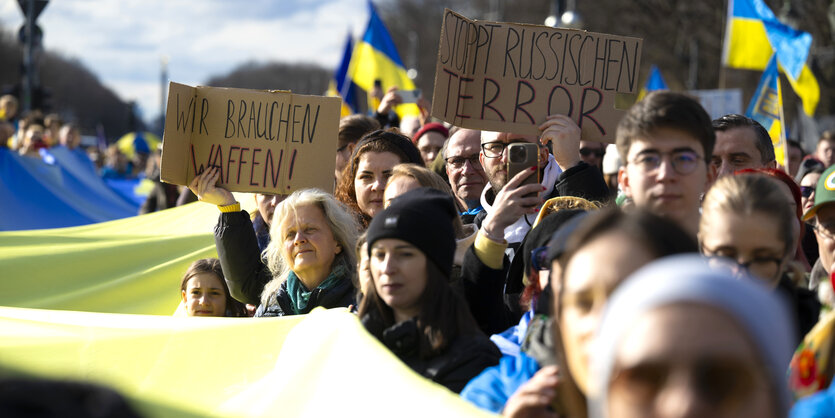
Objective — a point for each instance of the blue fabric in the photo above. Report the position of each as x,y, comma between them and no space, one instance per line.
655,81
126,188
379,38
346,89
819,405
473,211
491,389
510,341
37,195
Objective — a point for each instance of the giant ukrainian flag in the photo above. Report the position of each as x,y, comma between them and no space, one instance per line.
766,107
753,34
375,58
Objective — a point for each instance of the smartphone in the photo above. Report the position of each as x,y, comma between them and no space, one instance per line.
409,96
520,157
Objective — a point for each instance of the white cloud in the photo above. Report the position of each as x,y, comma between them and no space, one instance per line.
123,41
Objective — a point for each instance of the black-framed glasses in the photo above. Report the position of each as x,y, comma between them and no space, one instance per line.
496,149
539,259
807,191
764,266
458,162
585,152
684,162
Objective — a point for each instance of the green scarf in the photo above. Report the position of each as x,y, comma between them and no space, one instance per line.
300,296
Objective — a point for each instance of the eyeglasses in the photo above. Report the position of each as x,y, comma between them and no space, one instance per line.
458,162
496,149
763,267
585,152
807,191
683,162
539,259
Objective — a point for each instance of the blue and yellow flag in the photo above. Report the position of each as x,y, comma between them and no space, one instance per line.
766,107
753,34
341,85
654,82
375,58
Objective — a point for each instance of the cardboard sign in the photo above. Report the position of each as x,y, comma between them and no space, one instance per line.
508,77
262,141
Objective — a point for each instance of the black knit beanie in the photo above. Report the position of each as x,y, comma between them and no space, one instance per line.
422,217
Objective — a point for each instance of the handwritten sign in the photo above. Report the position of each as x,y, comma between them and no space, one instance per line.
262,141
508,77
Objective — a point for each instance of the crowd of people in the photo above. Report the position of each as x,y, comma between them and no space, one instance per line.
679,272
672,274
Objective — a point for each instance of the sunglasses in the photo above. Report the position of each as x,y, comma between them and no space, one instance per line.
807,191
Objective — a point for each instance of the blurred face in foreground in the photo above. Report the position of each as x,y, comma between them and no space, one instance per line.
590,276
688,360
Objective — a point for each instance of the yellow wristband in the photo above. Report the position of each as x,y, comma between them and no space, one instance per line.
235,207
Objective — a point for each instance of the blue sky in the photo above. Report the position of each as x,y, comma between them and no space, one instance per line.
124,41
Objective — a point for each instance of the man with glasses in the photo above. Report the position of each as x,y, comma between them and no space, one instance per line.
466,176
741,143
510,208
823,216
667,140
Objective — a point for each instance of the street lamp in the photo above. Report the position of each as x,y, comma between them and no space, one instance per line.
564,15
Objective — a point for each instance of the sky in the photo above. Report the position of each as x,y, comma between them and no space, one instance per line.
124,42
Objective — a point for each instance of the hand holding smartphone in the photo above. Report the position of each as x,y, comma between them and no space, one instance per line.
522,156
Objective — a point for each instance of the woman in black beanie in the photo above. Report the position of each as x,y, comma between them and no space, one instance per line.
410,307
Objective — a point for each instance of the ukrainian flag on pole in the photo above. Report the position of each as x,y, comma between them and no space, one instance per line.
753,34
766,107
341,85
375,58
654,82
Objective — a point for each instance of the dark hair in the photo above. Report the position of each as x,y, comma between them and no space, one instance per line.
377,141
443,314
212,265
764,145
353,127
665,109
660,236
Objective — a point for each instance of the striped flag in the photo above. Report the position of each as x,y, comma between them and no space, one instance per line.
766,107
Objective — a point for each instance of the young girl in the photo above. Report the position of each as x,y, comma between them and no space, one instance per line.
204,292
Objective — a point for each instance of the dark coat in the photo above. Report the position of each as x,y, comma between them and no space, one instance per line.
493,295
803,303
240,257
463,359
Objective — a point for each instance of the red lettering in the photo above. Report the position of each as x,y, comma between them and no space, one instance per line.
255,151
586,114
229,161
520,106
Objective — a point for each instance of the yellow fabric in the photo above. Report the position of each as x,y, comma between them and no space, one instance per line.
132,265
490,252
807,88
368,64
235,207
319,365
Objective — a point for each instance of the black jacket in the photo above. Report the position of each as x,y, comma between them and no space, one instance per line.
493,295
237,248
803,303
463,359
